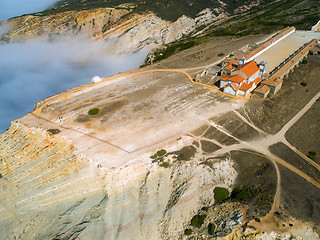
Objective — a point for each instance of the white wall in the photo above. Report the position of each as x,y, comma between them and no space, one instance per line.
230,91
254,76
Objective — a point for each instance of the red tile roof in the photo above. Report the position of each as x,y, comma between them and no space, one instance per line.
248,68
272,82
229,67
236,78
245,87
234,86
262,89
256,81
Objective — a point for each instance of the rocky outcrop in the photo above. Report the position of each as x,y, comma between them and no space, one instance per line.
88,22
51,191
125,31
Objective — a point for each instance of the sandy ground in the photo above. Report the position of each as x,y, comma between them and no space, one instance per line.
278,53
138,113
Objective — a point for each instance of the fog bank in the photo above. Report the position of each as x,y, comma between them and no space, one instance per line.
32,71
13,8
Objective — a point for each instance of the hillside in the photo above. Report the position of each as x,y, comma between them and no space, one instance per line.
167,10
275,15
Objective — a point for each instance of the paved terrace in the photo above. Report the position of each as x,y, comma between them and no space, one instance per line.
282,50
289,63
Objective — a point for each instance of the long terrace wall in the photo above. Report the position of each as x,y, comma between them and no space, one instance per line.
273,41
285,67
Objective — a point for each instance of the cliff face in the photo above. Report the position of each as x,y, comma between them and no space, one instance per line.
125,31
51,191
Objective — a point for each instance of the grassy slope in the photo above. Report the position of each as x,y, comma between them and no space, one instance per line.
270,17
166,9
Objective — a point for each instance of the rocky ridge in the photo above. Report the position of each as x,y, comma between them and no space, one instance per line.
126,31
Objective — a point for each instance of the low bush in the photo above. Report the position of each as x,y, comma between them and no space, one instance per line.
211,228
188,232
257,219
312,153
198,220
164,164
205,209
220,194
93,111
161,152
180,157
303,84
154,156
241,193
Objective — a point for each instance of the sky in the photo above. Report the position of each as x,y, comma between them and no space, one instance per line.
13,8
34,70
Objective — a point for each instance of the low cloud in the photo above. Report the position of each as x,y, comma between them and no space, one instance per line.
13,8
3,30
34,70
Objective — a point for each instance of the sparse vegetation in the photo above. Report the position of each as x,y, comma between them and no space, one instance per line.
54,130
198,220
242,193
303,84
94,111
170,49
205,209
164,164
211,228
1,175
312,153
169,9
180,157
220,54
188,232
220,194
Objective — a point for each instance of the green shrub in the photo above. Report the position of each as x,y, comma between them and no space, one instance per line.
220,54
164,164
161,152
220,194
188,231
257,219
93,111
211,228
312,153
304,61
154,156
303,84
180,157
1,175
198,220
241,193
205,209
310,156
